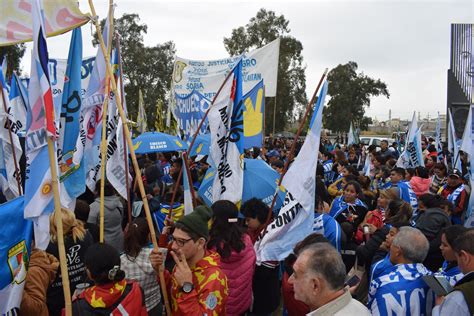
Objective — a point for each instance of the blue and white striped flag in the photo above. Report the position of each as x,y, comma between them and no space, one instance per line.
453,143
412,156
39,202
18,105
88,144
72,177
468,147
296,217
9,147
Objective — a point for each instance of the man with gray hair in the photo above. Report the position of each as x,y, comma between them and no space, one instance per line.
318,280
401,290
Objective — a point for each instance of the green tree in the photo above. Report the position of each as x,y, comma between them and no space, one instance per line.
13,54
350,94
262,29
149,68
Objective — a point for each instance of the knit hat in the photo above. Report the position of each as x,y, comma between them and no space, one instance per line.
197,221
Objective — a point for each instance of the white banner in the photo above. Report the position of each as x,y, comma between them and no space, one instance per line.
57,73
206,76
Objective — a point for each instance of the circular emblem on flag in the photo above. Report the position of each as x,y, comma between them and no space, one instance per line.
211,301
46,189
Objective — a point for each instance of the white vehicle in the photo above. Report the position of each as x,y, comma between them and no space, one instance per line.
376,140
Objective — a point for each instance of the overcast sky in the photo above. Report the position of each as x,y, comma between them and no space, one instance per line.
404,43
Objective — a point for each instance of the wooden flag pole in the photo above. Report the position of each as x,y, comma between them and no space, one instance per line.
58,219
292,150
17,169
125,155
103,142
132,153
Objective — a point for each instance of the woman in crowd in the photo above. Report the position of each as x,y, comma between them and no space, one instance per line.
113,214
228,239
450,267
136,264
375,219
111,294
76,242
420,182
439,178
349,207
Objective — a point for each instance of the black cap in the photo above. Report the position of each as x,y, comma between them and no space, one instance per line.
455,173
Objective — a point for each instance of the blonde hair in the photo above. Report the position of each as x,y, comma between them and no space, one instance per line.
70,225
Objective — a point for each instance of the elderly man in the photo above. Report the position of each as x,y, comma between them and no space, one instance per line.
401,290
461,300
318,280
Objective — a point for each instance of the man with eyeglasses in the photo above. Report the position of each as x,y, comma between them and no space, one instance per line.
198,285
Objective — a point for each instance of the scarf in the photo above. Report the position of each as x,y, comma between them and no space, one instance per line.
339,205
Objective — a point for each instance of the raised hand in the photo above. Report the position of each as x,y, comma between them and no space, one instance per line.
182,272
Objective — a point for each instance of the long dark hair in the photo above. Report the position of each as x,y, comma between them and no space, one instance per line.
225,235
136,237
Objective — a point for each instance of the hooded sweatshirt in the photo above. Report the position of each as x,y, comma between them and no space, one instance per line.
41,273
420,185
119,298
139,269
113,212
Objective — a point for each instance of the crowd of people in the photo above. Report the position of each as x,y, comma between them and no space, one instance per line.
379,231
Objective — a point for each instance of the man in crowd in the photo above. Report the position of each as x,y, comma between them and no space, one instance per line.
385,151
406,193
318,280
455,192
198,285
461,301
401,290
327,166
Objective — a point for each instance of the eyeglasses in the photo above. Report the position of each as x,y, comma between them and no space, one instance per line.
178,241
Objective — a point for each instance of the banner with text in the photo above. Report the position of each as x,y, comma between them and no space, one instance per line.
206,76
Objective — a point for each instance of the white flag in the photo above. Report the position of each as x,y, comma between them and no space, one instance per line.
412,156
453,146
227,137
296,217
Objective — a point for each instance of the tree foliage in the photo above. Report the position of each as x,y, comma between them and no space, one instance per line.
262,29
13,54
149,68
350,94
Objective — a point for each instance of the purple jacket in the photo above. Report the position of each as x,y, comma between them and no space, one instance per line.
239,269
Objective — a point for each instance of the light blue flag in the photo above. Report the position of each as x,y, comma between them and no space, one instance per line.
72,177
15,247
254,112
190,110
18,105
469,222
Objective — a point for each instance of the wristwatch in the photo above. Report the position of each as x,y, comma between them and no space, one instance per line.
187,287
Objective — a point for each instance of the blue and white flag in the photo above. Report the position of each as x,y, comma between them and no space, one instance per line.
407,194
88,144
10,148
469,222
412,156
116,148
227,136
39,203
15,247
295,219
438,143
18,105
453,146
72,177
254,112
402,291
189,111
352,137
367,165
